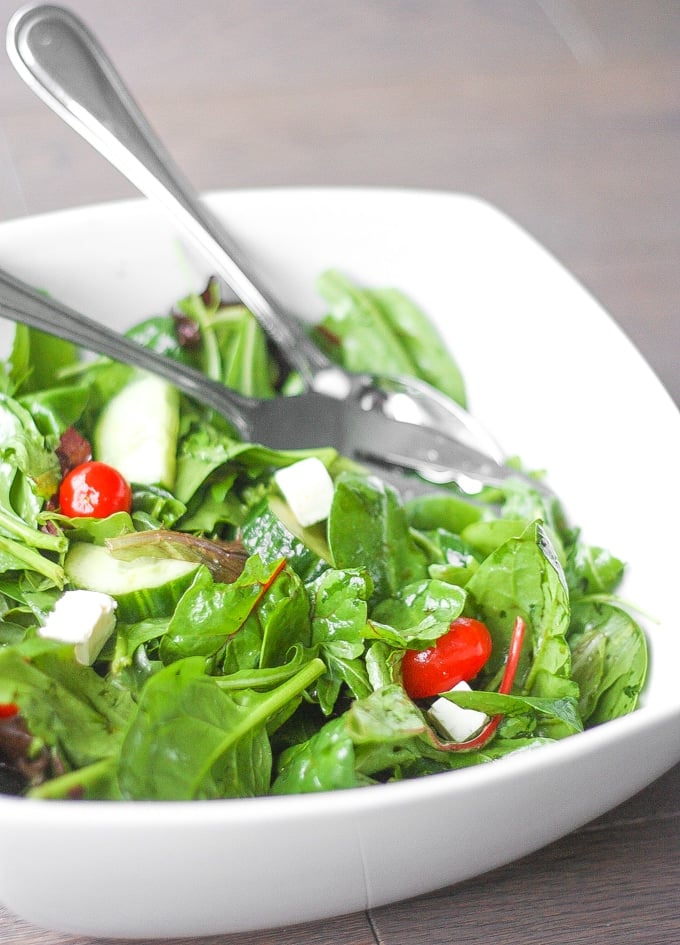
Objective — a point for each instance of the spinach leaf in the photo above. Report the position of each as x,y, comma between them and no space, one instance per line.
36,359
372,738
190,739
339,613
181,745
209,614
418,614
271,534
284,617
448,512
435,762
368,528
557,718
323,763
609,659
523,577
56,409
385,327
592,570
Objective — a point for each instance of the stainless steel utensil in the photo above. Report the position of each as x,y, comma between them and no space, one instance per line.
63,63
353,423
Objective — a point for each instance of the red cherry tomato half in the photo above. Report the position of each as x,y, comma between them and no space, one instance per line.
94,490
8,710
455,657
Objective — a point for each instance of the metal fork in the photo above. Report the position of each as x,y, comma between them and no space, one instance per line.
353,424
64,64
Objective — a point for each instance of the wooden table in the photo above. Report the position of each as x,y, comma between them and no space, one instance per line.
564,113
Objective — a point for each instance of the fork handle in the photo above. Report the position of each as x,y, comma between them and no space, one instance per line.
21,303
64,64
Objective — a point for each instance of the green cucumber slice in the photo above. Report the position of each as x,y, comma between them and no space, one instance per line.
144,587
137,431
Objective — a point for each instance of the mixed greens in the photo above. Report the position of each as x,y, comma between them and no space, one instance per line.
249,654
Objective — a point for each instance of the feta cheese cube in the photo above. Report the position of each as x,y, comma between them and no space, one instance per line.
459,724
84,618
308,489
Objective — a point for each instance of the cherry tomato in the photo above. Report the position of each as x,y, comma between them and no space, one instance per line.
94,490
455,657
8,710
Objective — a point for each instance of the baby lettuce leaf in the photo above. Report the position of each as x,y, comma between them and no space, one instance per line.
29,474
231,346
24,447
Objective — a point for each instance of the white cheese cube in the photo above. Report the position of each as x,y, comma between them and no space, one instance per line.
459,724
84,618
308,489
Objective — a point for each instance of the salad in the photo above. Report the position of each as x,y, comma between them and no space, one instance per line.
184,615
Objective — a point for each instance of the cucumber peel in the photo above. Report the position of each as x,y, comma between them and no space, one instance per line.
144,587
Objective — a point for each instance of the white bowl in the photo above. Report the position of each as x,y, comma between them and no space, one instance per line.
550,373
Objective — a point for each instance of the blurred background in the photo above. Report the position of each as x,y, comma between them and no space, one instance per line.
563,113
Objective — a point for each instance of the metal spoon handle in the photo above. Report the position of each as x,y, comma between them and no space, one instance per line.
22,304
64,64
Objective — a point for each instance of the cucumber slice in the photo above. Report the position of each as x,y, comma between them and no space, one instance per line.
145,587
137,431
